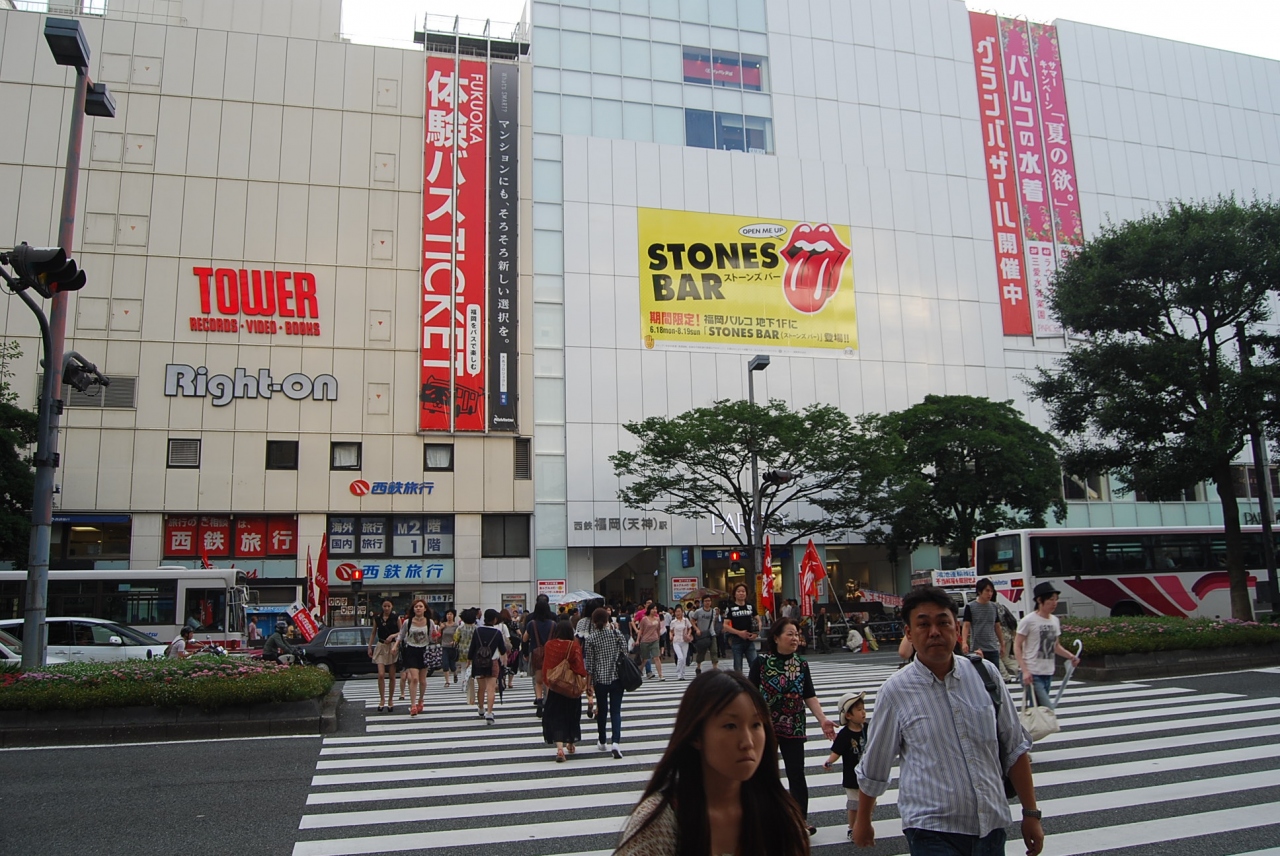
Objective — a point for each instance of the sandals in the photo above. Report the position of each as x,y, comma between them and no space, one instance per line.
573,750
559,756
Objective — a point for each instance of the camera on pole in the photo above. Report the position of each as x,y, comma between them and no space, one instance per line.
45,270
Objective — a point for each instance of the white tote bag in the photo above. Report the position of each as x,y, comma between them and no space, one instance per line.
1039,721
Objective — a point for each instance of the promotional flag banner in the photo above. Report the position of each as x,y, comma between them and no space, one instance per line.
811,571
322,580
311,583
766,590
304,622
204,556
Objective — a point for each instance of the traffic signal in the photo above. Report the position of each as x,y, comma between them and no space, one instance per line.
47,270
735,562
357,581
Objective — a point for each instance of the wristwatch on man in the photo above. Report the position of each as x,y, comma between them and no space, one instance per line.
1033,813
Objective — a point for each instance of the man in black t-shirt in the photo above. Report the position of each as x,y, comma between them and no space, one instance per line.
742,626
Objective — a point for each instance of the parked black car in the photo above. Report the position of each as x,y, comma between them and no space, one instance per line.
342,651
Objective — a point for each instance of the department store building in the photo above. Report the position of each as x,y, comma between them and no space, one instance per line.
631,198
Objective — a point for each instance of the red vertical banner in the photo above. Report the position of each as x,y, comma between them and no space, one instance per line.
452,392
1056,130
1001,182
181,536
1029,161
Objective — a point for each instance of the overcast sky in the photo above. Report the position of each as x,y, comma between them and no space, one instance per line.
1247,26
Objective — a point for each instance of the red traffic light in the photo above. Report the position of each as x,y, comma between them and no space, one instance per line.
357,576
735,556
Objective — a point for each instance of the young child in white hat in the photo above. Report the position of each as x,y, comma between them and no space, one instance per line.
849,745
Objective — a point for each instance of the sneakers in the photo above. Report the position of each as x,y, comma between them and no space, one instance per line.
488,717
617,751
600,747
848,834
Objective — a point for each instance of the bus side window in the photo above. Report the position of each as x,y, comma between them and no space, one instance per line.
1072,553
1044,557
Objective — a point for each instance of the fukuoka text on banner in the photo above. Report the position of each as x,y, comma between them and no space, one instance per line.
452,392
713,281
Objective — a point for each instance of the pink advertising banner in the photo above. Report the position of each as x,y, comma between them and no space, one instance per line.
1061,164
1002,188
1029,160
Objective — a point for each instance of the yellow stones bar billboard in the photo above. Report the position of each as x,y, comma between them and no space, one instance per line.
713,281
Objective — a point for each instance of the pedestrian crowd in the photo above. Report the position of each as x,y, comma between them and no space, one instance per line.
942,719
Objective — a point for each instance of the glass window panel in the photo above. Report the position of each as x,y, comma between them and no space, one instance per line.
637,90
668,125
437,456
1182,552
548,439
548,362
548,325
724,13
605,22
637,122
694,10
730,134
635,26
548,252
1240,482
726,69
492,536
548,289
575,51
547,52
635,58
699,129
759,134
546,113
751,15
344,456
606,86
517,535
575,19
549,477
607,119
576,115
546,80
697,65
548,216
669,9
546,15
671,94
548,181
606,54
575,83
546,146
665,31
753,69
667,61
548,400
1120,553
551,519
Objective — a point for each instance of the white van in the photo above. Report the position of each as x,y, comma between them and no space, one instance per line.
86,640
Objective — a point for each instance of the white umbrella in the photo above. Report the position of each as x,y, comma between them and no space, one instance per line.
1069,669
577,597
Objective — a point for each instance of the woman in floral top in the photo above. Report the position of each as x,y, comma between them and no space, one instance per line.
784,680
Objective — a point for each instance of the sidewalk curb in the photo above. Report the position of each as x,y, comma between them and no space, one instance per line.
148,724
1169,664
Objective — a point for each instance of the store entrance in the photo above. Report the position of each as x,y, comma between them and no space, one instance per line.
633,578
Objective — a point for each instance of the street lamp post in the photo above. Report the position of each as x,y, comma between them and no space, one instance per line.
758,363
69,47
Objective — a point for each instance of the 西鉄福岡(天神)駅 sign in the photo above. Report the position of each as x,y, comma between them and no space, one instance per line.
185,381
749,284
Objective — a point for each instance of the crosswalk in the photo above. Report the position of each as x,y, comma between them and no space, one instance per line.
1136,769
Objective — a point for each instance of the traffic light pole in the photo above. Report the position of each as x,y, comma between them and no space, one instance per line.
35,632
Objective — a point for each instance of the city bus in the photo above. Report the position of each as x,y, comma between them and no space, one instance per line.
156,602
1179,571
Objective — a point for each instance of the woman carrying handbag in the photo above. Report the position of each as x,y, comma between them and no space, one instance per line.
566,677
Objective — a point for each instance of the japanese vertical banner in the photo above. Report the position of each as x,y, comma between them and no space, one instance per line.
504,135
452,396
1001,184
1060,159
1028,150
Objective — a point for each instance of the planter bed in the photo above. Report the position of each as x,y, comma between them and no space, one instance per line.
1166,664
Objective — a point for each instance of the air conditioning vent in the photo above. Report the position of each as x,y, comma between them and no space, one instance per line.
184,454
122,394
524,468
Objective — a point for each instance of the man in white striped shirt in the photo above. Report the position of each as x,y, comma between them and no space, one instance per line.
937,715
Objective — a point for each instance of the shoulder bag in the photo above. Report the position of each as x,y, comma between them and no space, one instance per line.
537,655
561,678
628,673
1039,721
994,691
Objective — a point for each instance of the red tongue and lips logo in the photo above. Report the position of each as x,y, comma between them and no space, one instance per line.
815,261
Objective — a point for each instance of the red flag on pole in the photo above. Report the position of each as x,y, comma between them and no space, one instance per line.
311,589
204,555
811,571
766,590
322,580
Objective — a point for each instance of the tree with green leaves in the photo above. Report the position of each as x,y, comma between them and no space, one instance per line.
17,478
1154,395
697,464
963,466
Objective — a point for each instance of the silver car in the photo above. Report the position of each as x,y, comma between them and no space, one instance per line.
84,640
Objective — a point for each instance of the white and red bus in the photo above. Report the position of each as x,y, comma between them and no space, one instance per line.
157,602
1179,571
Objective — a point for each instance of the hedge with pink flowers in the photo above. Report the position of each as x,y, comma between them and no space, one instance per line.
1146,634
204,682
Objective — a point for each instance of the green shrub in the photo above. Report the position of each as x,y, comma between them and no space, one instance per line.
1146,634
205,682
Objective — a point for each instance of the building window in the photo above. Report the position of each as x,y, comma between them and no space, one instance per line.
344,456
184,454
1084,488
282,454
1245,482
1190,494
437,457
523,463
504,536
729,69
728,132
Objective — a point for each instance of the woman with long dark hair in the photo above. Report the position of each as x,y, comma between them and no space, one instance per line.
601,649
784,680
562,715
538,630
415,635
716,789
